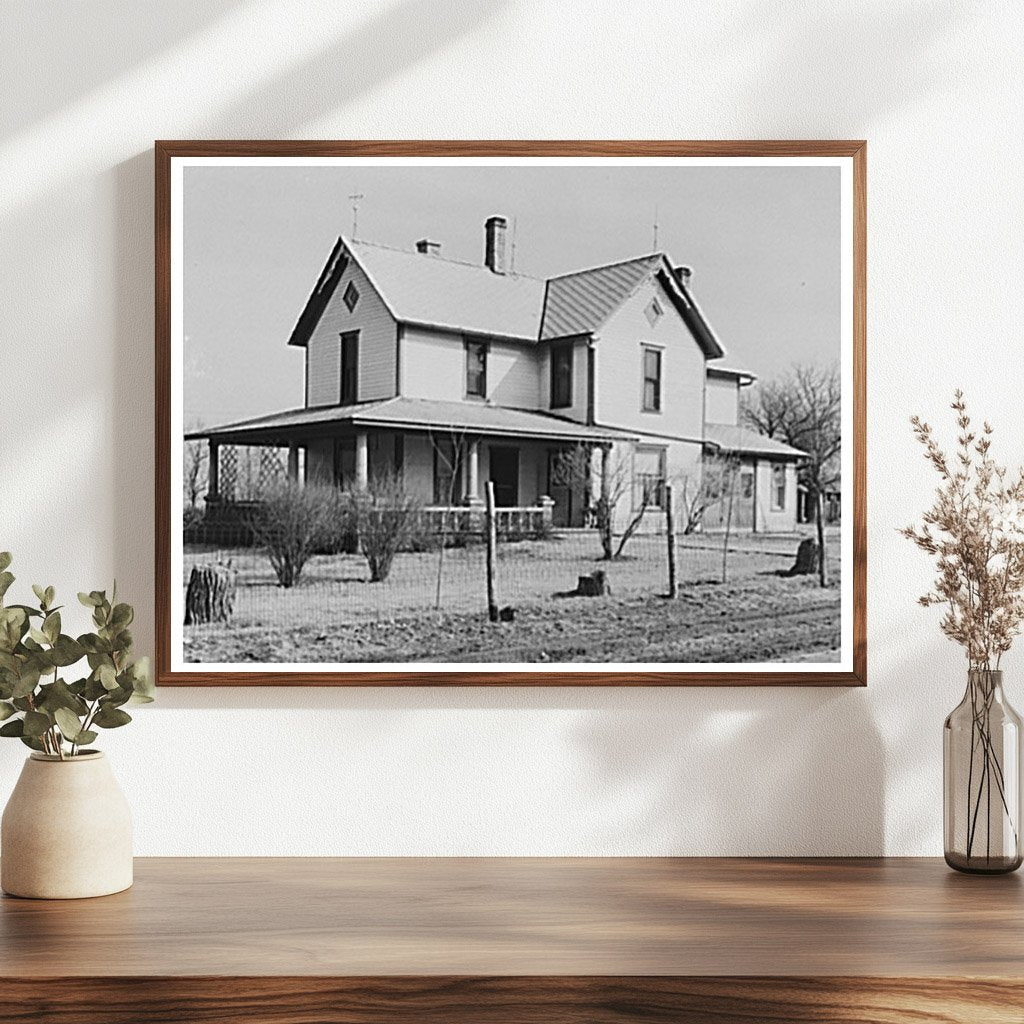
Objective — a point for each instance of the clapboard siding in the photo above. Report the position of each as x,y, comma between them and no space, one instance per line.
434,366
619,370
377,345
723,400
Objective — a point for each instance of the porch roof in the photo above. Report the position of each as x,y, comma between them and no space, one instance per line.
414,414
742,441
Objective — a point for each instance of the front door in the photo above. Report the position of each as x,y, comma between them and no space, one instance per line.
567,492
505,476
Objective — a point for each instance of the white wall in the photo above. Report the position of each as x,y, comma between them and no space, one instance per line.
936,89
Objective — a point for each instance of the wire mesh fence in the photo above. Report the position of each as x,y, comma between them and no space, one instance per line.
430,604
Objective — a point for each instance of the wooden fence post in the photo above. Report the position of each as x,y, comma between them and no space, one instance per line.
492,545
670,529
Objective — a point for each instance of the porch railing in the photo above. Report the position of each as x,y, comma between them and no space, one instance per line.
229,522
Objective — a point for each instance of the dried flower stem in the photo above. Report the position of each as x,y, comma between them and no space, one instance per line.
975,531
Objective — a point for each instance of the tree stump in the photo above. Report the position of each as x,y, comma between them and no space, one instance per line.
594,585
210,596
806,559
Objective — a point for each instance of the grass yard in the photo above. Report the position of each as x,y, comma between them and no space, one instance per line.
336,615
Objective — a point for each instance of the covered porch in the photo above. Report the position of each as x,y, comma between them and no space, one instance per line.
441,453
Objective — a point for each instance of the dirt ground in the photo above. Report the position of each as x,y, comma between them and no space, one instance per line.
336,615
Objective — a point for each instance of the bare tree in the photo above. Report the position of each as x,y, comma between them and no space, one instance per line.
196,457
707,490
574,468
803,409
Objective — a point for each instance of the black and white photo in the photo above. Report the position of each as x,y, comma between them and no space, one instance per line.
517,414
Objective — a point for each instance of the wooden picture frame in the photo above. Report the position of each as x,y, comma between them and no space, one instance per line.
849,156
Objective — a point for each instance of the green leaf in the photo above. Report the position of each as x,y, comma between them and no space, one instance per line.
86,736
16,727
66,651
94,644
69,724
5,560
122,616
89,600
115,698
51,626
94,689
13,626
27,681
107,676
108,718
38,635
50,594
36,723
6,710
59,695
6,579
40,593
31,741
142,678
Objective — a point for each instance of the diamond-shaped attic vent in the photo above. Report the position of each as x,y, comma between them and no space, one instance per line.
653,312
351,296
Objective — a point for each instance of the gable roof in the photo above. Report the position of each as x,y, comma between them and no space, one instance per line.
422,288
579,303
425,289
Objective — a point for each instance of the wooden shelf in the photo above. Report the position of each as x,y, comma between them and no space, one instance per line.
347,941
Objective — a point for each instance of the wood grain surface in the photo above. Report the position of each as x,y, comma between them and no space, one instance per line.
285,941
166,150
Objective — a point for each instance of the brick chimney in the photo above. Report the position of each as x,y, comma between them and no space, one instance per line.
425,245
494,244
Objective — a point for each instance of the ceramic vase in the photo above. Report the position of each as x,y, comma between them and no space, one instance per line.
66,831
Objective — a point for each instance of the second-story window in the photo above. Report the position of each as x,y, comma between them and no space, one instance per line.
349,368
476,369
561,376
652,380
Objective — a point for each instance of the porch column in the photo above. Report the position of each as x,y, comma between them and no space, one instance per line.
472,494
362,461
213,473
606,452
293,463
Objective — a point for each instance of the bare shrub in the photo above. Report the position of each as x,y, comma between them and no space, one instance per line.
292,523
388,519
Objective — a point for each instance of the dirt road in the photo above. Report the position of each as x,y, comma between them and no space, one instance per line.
761,618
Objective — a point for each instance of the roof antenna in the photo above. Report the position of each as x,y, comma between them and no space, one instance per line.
355,197
512,268
655,246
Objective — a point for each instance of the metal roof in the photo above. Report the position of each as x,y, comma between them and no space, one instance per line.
423,288
427,289
579,303
742,441
411,414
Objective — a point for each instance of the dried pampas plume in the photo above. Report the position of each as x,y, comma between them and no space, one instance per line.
975,531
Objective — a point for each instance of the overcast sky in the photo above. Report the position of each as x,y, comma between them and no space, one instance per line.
764,245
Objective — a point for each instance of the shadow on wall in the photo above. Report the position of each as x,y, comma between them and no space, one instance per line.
392,40
738,771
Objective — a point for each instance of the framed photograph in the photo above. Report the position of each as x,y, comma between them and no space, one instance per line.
492,413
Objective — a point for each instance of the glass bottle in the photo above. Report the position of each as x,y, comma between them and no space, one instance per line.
981,771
